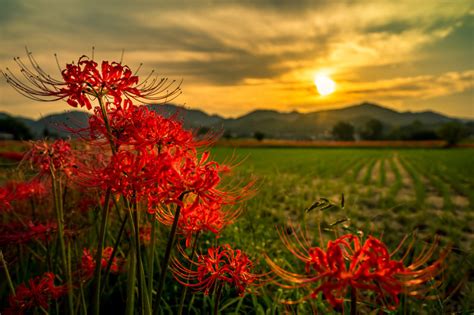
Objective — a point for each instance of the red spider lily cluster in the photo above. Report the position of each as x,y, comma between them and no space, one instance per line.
221,265
347,264
56,157
129,158
39,292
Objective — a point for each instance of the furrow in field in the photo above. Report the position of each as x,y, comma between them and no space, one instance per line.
440,194
419,185
382,173
462,191
346,167
375,176
453,199
368,173
432,190
359,173
356,169
390,177
433,198
406,192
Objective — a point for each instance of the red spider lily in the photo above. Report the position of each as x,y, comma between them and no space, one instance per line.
57,156
15,233
6,198
135,175
39,292
86,203
141,127
204,207
88,262
220,265
144,233
13,156
196,218
27,190
160,177
152,166
14,191
86,80
347,263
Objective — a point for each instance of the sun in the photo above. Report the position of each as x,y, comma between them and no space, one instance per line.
324,84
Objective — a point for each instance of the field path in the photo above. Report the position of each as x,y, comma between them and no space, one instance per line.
407,191
362,171
375,177
389,174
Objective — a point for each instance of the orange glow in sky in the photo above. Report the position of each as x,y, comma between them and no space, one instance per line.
235,57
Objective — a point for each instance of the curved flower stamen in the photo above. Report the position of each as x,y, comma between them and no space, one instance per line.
362,266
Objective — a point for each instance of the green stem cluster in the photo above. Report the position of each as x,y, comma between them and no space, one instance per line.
65,258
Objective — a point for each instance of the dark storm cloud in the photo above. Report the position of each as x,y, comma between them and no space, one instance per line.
399,88
395,27
109,29
287,6
233,65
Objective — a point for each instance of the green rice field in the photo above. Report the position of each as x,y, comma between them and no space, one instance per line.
387,193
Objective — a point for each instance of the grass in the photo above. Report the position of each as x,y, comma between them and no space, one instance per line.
291,179
382,175
419,185
396,185
368,173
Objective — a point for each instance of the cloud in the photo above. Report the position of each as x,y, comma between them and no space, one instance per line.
420,87
240,49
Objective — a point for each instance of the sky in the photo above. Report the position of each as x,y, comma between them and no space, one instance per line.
238,56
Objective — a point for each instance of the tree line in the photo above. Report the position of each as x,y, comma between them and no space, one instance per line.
452,132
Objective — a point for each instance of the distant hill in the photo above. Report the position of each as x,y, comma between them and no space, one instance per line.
319,124
192,118
274,124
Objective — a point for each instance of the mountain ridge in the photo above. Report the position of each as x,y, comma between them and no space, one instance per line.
276,124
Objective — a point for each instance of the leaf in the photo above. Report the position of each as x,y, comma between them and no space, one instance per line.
339,221
321,204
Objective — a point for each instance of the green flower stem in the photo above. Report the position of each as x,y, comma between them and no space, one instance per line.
56,185
7,273
142,292
98,256
167,257
151,260
146,298
353,301
114,251
185,288
81,286
130,306
105,213
104,116
217,297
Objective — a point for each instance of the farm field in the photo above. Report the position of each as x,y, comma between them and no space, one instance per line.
388,193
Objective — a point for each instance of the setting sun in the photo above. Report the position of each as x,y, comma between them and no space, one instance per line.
324,84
